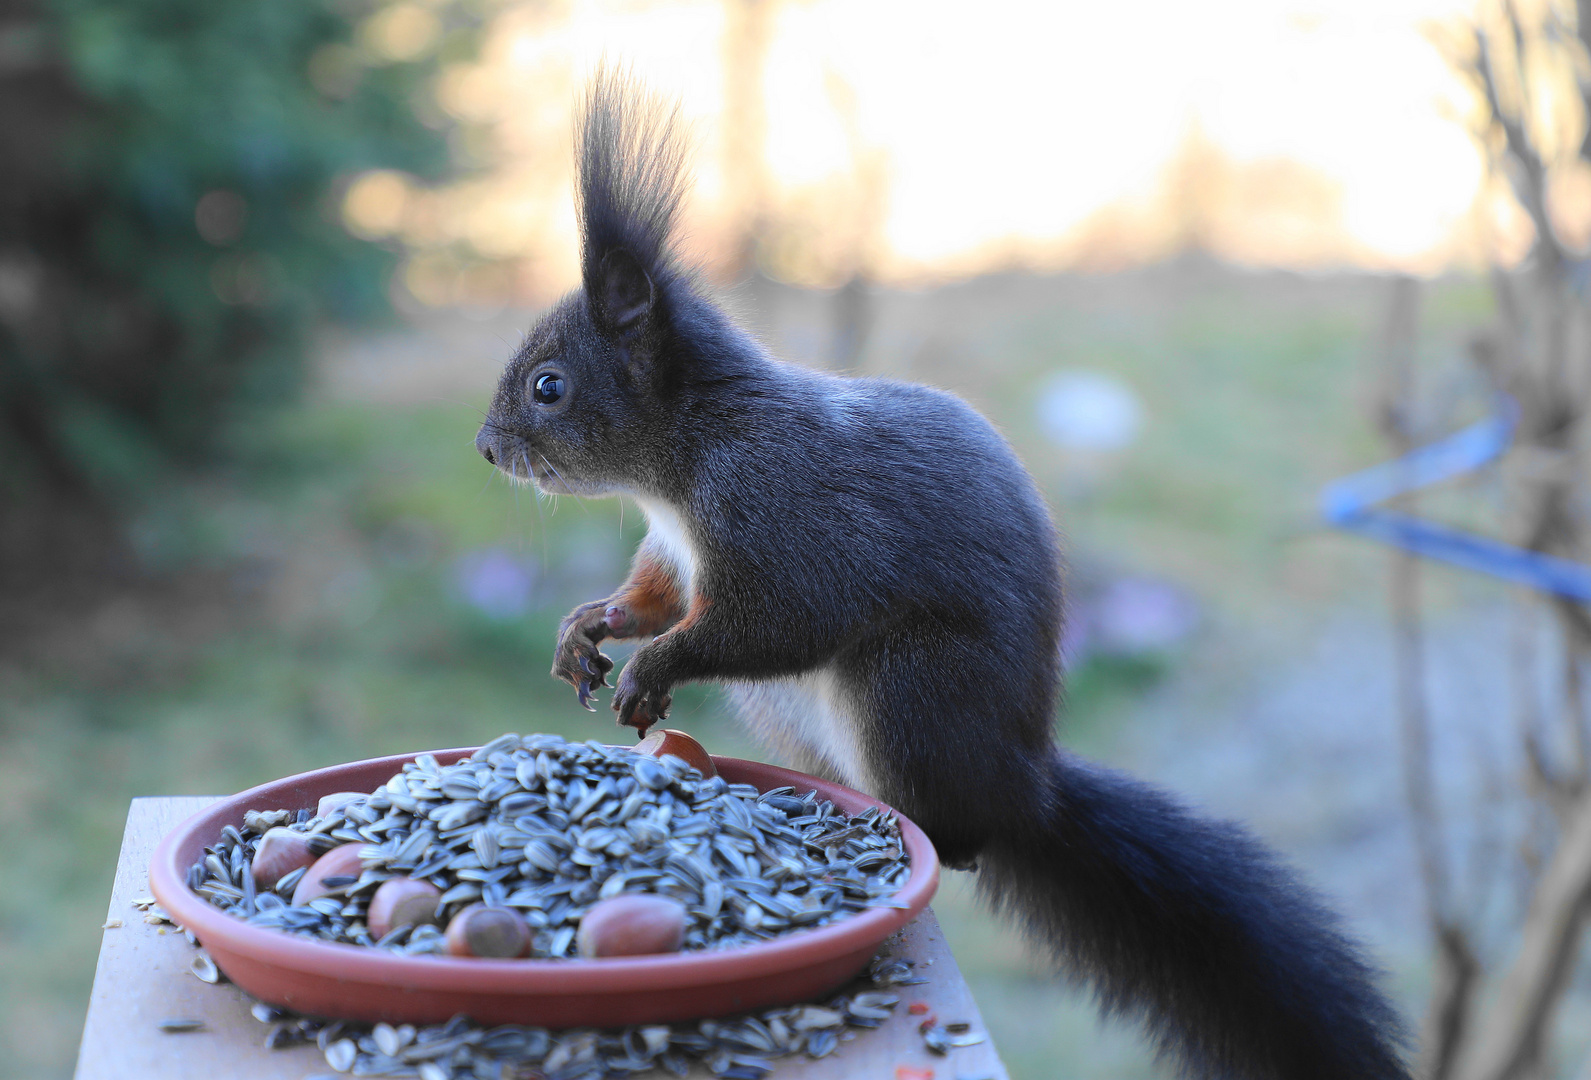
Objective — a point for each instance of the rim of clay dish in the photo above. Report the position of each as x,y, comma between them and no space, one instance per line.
335,960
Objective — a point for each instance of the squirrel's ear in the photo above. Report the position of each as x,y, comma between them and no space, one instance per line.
624,293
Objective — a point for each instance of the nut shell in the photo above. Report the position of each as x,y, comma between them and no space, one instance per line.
679,744
637,924
337,800
338,862
497,933
280,851
401,901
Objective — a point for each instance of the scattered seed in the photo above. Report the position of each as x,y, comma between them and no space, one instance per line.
204,968
177,1025
341,1054
746,1047
281,1035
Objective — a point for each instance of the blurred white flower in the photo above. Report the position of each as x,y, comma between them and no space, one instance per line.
1084,410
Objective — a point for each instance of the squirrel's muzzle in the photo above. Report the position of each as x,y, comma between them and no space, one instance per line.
483,443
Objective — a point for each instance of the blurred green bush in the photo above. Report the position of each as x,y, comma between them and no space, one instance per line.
170,176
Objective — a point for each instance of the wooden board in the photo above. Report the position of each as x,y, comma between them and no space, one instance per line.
143,978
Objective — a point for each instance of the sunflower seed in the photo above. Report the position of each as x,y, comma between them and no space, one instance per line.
812,1017
341,1054
390,1040
204,968
177,1025
821,1043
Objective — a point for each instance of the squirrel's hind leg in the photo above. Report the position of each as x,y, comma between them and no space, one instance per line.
804,722
952,742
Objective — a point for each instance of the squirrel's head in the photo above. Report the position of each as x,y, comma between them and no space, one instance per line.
582,406
576,409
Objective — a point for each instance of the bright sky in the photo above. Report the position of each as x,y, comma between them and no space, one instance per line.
1030,117
1299,132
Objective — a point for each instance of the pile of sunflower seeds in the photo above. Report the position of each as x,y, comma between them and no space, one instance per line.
549,827
744,1048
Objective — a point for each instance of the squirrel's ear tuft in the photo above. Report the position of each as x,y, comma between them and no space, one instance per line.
630,181
625,293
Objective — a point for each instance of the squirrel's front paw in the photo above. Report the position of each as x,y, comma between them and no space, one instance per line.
638,706
577,660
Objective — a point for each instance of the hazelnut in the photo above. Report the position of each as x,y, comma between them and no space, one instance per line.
280,851
494,932
662,743
342,861
637,924
401,901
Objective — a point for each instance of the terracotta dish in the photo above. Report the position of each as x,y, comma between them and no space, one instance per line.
357,983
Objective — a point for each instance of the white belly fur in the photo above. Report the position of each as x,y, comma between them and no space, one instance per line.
806,719
666,536
803,717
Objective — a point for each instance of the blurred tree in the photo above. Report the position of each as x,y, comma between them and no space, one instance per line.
169,181
748,27
1494,1003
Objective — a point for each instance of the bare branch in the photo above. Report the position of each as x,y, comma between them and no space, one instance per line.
1509,1043
1528,174
1415,730
1574,711
1516,67
1457,969
1583,33
1455,981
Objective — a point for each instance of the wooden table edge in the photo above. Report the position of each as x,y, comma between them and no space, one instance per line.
142,977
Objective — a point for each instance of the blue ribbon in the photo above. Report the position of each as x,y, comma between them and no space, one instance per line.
1352,504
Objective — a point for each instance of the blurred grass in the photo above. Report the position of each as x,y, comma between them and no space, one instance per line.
310,611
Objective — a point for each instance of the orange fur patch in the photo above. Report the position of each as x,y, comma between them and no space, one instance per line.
699,605
651,596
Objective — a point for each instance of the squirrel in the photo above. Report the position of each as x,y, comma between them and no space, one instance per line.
871,573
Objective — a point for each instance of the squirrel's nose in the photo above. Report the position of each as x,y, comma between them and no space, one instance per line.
483,443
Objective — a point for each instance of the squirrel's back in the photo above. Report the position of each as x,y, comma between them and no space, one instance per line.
906,484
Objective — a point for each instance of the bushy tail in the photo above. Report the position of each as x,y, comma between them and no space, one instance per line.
1196,928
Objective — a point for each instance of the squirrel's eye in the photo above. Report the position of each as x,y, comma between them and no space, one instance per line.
548,389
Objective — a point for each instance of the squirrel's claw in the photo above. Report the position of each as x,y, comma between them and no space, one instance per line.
637,708
577,660
598,677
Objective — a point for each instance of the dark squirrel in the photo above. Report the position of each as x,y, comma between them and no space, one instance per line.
873,576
